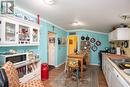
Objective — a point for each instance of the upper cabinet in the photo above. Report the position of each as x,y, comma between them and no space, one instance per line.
14,32
120,34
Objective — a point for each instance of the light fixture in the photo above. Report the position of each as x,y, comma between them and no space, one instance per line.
77,23
125,16
49,2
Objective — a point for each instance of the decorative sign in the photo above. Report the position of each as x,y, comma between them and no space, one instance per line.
7,7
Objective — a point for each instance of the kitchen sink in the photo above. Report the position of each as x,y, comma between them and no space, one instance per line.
123,60
121,63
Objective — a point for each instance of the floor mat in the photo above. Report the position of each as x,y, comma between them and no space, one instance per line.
90,80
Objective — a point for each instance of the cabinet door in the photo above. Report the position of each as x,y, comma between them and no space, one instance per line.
117,80
9,32
113,35
123,34
35,34
114,81
24,34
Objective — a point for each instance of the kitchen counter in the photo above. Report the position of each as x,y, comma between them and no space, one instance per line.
121,72
115,56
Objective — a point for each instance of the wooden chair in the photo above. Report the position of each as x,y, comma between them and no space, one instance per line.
13,79
72,69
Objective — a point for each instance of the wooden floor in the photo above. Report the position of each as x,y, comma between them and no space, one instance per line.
55,72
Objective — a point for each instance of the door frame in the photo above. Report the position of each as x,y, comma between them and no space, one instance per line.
68,42
55,58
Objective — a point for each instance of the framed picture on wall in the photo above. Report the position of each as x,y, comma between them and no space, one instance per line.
64,40
70,41
51,40
59,41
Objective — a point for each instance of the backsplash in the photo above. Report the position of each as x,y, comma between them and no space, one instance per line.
20,49
121,44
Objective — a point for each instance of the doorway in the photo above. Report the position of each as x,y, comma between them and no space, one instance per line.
72,44
51,48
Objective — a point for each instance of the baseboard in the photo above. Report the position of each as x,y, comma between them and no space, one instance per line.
59,64
95,64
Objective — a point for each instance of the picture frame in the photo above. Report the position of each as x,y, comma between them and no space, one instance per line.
51,40
64,40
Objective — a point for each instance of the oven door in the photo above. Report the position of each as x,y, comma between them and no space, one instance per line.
16,59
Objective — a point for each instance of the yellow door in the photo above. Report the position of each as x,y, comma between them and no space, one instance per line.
72,44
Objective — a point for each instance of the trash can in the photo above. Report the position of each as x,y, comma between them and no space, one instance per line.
44,71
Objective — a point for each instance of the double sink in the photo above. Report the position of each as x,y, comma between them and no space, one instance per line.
123,64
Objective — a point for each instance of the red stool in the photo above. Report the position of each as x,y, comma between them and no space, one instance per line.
44,71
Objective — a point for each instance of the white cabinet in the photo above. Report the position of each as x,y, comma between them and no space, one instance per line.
18,32
8,29
117,80
120,34
113,78
29,70
35,35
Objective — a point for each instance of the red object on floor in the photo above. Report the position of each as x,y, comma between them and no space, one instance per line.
38,19
44,71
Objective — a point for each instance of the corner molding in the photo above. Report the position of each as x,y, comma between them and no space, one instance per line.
76,30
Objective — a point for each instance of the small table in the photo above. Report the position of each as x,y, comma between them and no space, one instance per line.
80,58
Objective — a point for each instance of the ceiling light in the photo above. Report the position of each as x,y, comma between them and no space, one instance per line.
77,23
49,2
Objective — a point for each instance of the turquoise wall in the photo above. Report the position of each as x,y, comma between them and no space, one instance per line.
61,51
42,50
103,38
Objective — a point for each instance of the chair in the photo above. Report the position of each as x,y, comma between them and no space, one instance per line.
72,69
13,79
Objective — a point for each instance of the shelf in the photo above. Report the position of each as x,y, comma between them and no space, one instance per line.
12,17
8,45
27,62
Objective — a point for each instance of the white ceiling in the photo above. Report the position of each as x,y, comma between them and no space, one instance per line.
97,15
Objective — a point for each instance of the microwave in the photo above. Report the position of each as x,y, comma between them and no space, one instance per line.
14,58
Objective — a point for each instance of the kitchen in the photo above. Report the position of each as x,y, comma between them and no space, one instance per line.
88,28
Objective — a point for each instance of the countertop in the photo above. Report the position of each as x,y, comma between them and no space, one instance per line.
115,56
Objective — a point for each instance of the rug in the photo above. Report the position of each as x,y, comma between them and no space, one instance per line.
90,79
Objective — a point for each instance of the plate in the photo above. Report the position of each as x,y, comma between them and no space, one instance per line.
82,37
92,40
94,47
126,44
98,43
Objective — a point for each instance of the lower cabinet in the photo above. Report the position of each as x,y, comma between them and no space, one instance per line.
113,78
117,81
29,70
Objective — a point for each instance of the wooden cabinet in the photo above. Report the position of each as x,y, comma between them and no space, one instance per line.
15,32
120,34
